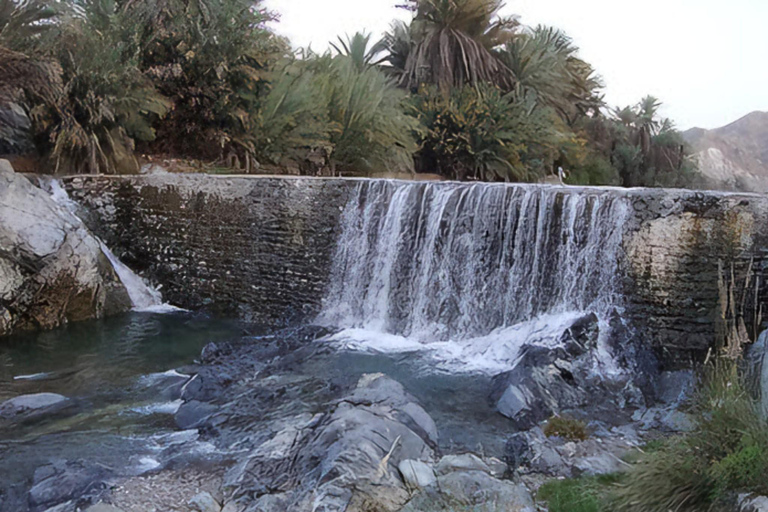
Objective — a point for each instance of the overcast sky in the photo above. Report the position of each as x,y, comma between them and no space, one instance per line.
706,59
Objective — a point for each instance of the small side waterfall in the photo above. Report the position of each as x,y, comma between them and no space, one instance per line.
143,297
483,263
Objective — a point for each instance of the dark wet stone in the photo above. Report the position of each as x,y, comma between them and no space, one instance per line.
194,414
61,481
31,407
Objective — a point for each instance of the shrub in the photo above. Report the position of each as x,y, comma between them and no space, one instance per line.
354,114
212,59
567,428
482,133
727,453
106,102
587,494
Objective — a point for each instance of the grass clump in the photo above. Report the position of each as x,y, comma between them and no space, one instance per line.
567,428
587,494
726,454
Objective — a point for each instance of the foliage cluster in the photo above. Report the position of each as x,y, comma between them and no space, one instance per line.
587,494
459,90
567,428
727,454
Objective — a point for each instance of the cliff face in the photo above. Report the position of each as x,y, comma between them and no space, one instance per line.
52,270
265,248
734,157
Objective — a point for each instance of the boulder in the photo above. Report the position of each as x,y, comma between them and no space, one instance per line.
416,474
749,503
757,370
463,462
204,502
193,414
472,490
348,459
61,481
533,452
26,406
548,380
52,269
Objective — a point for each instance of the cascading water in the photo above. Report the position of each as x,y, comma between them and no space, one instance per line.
143,297
472,271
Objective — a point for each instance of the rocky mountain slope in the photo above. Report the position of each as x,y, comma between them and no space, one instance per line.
734,157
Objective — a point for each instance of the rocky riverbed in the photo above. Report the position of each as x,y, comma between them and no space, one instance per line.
292,421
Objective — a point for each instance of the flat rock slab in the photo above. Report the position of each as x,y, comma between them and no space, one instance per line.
26,406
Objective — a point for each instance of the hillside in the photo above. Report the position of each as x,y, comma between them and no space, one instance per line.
734,157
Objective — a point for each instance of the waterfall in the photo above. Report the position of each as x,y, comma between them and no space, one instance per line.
472,268
143,297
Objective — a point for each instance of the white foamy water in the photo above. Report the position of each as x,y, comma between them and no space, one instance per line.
468,274
490,354
144,298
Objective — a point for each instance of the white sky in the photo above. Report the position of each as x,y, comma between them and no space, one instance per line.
707,60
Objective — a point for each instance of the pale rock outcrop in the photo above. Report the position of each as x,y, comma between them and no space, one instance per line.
52,270
344,460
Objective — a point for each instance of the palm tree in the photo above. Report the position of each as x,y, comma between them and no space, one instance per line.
358,48
20,23
397,45
453,42
545,67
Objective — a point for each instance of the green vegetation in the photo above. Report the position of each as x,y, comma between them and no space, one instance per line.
726,454
567,428
587,494
458,91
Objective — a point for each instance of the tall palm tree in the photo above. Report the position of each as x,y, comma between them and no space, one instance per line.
545,66
453,42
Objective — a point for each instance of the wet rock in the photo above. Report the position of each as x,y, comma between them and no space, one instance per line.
52,269
472,490
550,380
193,414
416,474
65,480
346,459
209,384
204,502
674,387
27,406
547,380
167,385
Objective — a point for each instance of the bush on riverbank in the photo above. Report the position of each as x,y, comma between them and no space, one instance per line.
725,455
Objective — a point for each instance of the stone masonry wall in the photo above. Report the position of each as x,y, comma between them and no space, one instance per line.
261,248
257,248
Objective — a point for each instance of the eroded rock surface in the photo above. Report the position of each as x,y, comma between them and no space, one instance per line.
344,460
52,270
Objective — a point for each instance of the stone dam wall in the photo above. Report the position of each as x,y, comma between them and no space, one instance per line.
262,248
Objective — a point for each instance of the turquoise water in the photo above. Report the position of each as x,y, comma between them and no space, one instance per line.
107,368
104,355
